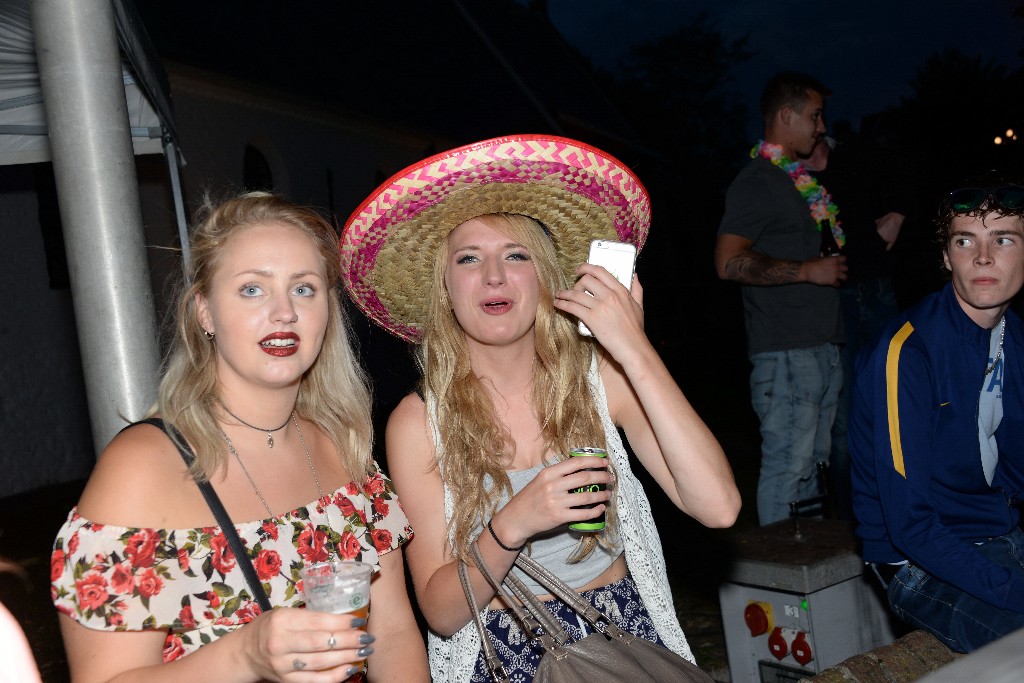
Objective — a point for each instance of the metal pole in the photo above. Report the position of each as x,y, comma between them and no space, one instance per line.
174,172
90,143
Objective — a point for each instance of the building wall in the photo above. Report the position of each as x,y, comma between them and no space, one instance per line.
317,156
45,436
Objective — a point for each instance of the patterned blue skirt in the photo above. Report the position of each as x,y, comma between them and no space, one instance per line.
620,601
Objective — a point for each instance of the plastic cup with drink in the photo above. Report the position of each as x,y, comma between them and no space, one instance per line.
338,587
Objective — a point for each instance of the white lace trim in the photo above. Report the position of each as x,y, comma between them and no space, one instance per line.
452,659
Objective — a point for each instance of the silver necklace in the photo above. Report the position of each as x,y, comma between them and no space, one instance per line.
999,353
231,447
269,432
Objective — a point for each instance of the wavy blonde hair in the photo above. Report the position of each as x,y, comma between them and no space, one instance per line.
474,442
333,394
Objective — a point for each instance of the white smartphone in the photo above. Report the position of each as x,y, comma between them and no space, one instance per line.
618,258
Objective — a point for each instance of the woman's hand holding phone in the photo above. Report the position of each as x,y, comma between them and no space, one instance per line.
618,258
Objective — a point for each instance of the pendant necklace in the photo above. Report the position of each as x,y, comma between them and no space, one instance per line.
999,353
269,432
231,447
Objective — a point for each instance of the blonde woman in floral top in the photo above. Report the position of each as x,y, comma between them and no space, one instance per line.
262,384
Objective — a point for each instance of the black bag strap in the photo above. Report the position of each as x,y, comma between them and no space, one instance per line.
221,515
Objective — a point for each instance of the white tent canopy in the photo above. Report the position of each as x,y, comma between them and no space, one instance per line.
23,133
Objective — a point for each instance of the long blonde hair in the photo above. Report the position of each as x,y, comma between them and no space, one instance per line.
474,443
333,393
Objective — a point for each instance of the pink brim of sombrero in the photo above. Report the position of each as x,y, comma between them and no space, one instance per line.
577,192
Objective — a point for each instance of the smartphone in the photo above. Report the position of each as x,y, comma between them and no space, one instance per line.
618,258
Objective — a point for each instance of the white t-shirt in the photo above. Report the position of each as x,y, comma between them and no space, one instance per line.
990,403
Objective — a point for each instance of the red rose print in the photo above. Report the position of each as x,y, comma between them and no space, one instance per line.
268,564
173,648
183,559
224,621
348,546
222,558
150,583
380,507
56,564
352,489
345,505
374,487
361,514
185,617
121,579
247,613
270,529
381,539
115,619
141,548
92,591
73,543
213,599
311,545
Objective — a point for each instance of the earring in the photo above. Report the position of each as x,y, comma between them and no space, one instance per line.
209,335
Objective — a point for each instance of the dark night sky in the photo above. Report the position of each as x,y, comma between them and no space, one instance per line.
865,51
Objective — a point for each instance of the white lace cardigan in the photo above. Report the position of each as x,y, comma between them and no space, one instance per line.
452,659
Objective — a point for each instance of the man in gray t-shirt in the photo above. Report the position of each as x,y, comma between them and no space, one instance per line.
769,241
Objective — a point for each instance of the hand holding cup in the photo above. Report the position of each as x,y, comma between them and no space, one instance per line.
340,587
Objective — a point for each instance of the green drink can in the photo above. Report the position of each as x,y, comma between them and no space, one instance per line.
597,523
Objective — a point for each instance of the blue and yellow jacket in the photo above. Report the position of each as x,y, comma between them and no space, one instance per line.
919,492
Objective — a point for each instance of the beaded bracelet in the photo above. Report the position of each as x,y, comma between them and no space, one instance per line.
498,540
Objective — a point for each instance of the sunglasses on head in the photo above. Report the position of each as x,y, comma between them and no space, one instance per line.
967,199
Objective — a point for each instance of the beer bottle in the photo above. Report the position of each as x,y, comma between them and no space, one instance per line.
829,247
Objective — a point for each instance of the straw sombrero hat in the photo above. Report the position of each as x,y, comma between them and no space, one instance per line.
577,192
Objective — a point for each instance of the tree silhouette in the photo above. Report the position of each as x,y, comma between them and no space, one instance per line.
958,107
678,93
679,88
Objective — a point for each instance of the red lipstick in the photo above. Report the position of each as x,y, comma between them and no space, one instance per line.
280,344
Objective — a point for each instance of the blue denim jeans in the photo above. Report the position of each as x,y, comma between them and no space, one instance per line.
794,394
867,307
959,620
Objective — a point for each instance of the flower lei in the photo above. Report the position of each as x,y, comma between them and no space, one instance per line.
817,197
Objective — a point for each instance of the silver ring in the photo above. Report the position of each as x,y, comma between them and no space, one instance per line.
298,664
331,642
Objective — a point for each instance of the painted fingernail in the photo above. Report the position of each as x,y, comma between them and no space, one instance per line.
364,652
366,639
358,622
353,670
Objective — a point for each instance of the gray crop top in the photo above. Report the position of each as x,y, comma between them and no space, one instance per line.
554,547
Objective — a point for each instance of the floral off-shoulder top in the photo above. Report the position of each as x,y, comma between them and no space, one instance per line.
187,582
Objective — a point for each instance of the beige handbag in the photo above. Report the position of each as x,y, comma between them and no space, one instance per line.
607,656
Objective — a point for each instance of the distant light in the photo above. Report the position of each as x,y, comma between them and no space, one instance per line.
998,140
1009,133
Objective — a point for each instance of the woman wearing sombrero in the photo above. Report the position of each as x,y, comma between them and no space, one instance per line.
470,255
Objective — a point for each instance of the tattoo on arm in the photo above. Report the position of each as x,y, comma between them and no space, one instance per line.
756,269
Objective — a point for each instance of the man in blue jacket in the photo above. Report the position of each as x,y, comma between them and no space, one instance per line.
937,435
